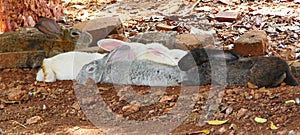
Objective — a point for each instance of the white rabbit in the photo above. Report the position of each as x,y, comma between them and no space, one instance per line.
65,66
154,52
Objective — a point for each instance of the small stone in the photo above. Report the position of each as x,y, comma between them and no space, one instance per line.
291,132
33,120
167,98
252,43
229,110
227,16
165,27
76,106
131,108
83,131
297,101
233,126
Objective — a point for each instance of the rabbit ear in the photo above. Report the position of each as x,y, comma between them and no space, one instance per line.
123,52
228,55
48,26
110,44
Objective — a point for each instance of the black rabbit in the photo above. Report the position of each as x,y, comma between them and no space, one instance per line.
206,66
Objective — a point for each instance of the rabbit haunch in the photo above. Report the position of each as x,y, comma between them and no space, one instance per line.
133,72
65,66
261,71
154,52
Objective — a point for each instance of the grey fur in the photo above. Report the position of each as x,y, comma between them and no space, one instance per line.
134,72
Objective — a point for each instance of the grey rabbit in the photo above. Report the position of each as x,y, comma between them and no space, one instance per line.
111,69
260,71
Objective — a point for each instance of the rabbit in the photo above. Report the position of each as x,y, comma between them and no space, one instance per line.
155,52
47,36
260,71
65,66
130,72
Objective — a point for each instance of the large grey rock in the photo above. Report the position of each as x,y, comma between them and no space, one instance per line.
100,28
172,40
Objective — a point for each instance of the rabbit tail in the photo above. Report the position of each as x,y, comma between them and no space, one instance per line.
290,79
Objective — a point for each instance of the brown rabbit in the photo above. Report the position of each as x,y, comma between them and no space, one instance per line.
46,36
261,71
29,46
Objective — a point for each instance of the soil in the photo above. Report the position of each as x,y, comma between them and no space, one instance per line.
54,108
65,107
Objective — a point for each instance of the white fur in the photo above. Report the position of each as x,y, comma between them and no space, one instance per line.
65,66
155,52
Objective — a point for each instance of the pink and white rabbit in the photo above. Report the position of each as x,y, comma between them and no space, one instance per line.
154,52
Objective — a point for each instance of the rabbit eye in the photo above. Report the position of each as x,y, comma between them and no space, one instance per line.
91,69
75,33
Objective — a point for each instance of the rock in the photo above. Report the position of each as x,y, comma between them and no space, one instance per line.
76,106
100,28
82,131
17,95
131,108
227,16
33,120
165,38
187,42
252,43
295,68
167,98
165,27
172,41
229,110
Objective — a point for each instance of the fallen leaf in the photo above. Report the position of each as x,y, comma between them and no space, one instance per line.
290,101
9,101
272,126
205,131
217,122
251,85
260,120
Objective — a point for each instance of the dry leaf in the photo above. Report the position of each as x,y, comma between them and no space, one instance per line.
272,126
217,122
290,101
260,120
251,85
205,131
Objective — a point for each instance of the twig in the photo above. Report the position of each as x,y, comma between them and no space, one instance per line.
19,124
